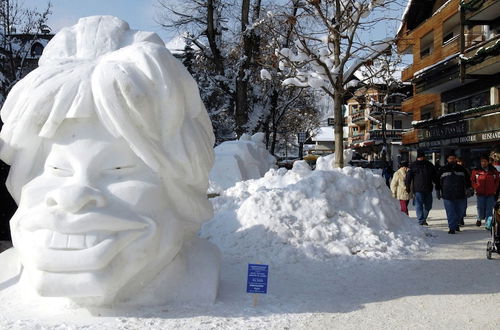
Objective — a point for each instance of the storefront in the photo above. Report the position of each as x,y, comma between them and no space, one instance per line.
469,134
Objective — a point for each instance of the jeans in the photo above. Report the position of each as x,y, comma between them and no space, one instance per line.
485,206
423,204
454,210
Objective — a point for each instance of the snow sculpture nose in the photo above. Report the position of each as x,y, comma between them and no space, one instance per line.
74,198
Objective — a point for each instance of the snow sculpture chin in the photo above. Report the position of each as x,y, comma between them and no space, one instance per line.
110,148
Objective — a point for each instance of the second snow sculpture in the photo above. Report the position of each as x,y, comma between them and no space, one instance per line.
110,148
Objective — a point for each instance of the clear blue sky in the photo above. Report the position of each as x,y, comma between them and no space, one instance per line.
140,14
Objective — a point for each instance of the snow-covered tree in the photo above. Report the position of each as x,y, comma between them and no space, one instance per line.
228,43
20,30
329,47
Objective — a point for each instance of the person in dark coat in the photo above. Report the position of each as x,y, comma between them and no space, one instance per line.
387,173
420,180
454,182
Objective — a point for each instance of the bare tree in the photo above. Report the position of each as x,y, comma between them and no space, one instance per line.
20,28
329,47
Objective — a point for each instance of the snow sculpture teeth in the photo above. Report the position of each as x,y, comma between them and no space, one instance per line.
57,241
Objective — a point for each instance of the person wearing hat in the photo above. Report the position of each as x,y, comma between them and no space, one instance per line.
398,187
485,180
453,182
420,180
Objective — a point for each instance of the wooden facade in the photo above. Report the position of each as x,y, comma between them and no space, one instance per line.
455,73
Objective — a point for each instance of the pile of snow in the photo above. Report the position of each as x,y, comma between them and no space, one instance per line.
327,163
289,216
240,160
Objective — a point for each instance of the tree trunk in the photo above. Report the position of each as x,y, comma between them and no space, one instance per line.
250,47
212,36
339,130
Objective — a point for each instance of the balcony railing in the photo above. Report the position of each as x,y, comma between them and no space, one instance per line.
390,134
358,116
358,137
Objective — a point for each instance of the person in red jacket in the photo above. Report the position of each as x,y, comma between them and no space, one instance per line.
485,181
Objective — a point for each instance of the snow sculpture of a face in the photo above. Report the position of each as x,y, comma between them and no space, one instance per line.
110,148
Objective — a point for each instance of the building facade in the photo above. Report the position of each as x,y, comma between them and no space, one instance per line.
376,123
455,47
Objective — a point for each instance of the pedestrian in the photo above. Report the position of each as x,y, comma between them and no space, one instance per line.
387,173
453,181
469,192
485,180
420,178
398,187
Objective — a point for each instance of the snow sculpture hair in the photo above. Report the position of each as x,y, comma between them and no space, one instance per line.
101,64
110,149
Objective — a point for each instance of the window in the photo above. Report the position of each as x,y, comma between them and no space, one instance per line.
426,111
427,44
470,102
451,29
36,50
398,124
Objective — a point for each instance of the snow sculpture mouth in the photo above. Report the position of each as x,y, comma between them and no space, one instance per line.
84,243
45,238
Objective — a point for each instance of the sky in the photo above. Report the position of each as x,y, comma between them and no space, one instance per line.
140,14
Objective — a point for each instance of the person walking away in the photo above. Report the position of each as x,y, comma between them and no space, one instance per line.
485,180
454,181
419,180
398,187
468,193
387,173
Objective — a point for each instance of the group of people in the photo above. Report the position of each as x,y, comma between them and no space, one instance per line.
452,182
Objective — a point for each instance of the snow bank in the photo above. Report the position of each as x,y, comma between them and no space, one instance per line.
287,216
240,160
328,162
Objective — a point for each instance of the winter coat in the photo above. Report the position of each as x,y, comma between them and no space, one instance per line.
398,186
485,182
421,175
454,181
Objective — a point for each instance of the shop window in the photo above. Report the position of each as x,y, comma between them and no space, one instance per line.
470,102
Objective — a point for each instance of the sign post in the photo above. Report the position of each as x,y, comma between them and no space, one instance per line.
301,138
257,280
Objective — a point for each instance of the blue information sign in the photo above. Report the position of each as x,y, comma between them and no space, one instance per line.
257,278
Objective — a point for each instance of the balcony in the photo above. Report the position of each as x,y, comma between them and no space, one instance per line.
484,59
439,54
410,137
390,134
358,137
358,116
481,10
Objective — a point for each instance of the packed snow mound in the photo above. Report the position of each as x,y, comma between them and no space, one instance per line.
287,216
240,160
328,162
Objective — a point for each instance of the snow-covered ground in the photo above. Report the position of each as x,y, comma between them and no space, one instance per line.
448,285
